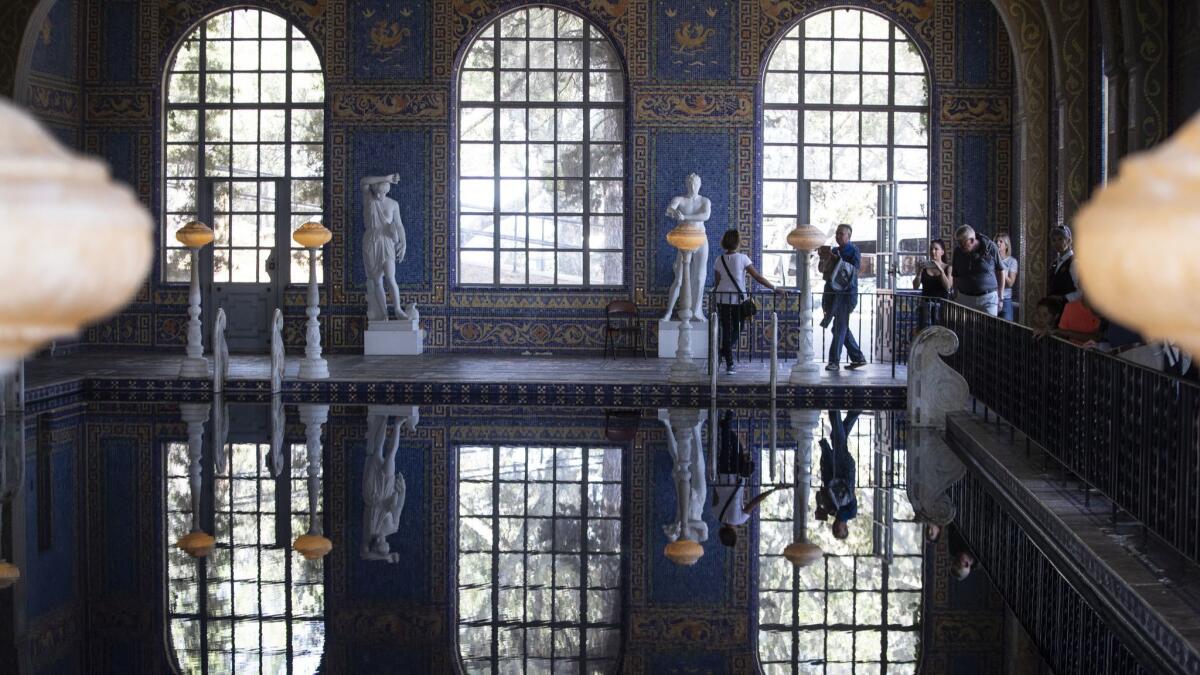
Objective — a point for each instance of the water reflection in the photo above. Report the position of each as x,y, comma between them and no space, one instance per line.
252,604
857,609
383,487
554,522
539,544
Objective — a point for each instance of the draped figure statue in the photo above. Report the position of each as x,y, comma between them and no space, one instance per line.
384,246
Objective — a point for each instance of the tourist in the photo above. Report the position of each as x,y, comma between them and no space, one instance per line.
1064,280
1009,262
735,467
841,286
978,274
934,279
836,497
729,284
1074,321
962,560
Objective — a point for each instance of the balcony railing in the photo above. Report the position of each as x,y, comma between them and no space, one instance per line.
883,322
1130,432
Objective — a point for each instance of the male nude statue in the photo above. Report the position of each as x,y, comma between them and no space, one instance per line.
692,208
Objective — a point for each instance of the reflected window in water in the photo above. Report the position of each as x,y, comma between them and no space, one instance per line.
253,605
858,609
539,569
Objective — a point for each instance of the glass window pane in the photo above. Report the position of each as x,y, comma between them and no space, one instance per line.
557,159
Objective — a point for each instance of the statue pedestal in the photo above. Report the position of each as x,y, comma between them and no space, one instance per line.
668,339
394,338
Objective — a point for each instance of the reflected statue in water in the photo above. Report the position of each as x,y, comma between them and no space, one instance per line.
687,455
384,489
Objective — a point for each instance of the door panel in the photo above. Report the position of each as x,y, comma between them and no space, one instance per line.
243,280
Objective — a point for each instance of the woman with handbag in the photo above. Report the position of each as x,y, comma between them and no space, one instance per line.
734,305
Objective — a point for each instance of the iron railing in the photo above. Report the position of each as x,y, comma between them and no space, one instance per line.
1072,636
1128,431
884,322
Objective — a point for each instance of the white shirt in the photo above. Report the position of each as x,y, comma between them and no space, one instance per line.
737,262
729,504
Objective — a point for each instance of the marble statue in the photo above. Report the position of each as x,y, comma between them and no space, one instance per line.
384,246
692,208
383,489
220,352
278,361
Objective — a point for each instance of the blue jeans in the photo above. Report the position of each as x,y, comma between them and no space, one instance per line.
843,335
1006,309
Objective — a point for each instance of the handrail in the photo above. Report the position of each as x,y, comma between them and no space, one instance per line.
1130,432
883,321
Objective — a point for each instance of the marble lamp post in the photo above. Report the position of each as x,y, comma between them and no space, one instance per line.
805,239
683,427
77,245
312,236
687,237
802,552
1120,235
195,235
313,545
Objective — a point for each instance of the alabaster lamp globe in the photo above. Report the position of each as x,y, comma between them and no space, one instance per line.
194,235
312,235
197,543
9,574
687,236
802,553
806,238
312,546
76,244
683,552
1119,237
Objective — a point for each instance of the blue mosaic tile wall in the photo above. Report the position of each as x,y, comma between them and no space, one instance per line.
694,77
53,89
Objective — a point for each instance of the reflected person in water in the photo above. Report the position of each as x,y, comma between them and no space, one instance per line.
735,468
836,497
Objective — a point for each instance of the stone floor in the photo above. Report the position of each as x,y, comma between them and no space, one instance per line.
441,368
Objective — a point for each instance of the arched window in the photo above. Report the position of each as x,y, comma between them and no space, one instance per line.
541,154
845,108
253,605
244,125
539,559
858,608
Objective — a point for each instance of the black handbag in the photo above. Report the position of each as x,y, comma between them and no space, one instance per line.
747,308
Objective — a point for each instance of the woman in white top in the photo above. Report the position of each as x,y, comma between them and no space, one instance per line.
1011,268
729,283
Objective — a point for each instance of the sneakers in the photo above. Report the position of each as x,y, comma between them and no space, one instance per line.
856,364
832,366
730,369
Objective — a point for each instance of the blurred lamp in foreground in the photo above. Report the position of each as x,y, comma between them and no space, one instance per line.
312,236
77,245
1132,241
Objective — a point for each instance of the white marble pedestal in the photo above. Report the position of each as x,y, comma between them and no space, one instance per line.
668,339
394,338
